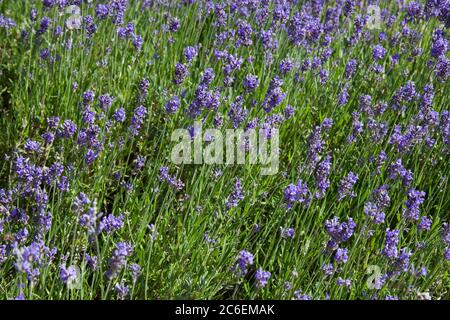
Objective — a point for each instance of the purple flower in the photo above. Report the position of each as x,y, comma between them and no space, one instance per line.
397,169
390,249
321,174
139,162
90,157
102,11
68,129
32,146
122,290
172,105
287,233
237,113
341,255
262,278
274,95
105,101
289,111
43,25
181,71
135,272
190,53
343,96
207,77
446,233
137,42
439,47
378,52
250,83
68,275
244,33
174,24
323,74
91,261
172,180
447,254
328,269
244,260
346,186
119,115
340,231
425,224
415,199
286,65
137,120
119,258
296,194
110,223
236,194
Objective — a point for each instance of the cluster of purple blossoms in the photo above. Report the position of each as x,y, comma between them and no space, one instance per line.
30,259
172,105
322,172
250,83
122,290
244,261
381,200
262,278
6,22
237,112
390,249
174,24
397,169
244,34
68,275
274,95
346,186
424,224
304,29
181,71
118,259
190,53
358,127
315,146
236,194
296,193
286,65
110,223
343,95
415,199
378,52
446,239
137,120
341,255
171,180
339,231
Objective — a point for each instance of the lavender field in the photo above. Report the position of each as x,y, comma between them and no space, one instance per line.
351,99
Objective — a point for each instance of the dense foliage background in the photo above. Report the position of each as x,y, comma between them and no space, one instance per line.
91,207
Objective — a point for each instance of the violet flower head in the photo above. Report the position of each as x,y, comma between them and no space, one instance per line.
119,257
172,105
415,199
390,249
378,52
262,278
236,194
244,260
340,231
346,186
296,193
250,83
